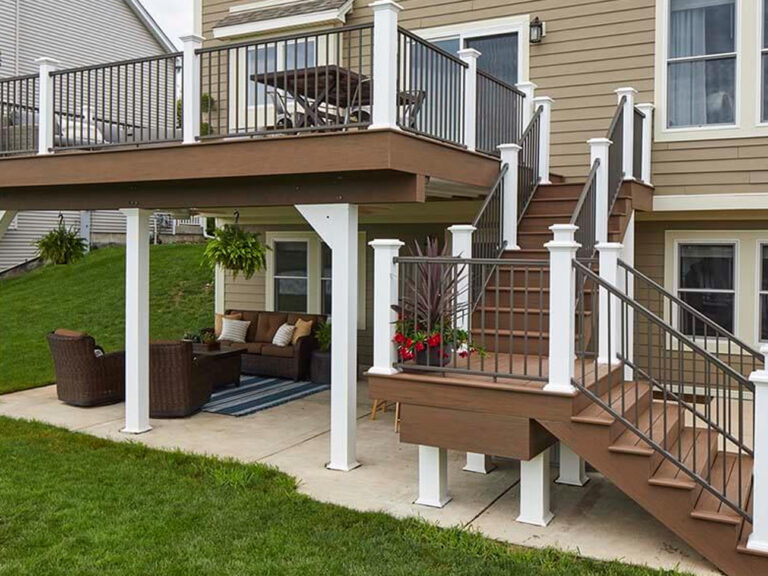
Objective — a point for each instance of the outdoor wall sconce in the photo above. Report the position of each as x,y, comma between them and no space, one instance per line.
538,30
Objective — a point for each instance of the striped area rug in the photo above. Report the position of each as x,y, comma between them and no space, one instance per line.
256,394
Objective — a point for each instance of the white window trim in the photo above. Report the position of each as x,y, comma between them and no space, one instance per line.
748,123
758,285
762,51
507,25
314,271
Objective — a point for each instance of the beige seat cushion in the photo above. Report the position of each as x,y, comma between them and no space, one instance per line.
303,328
277,351
220,321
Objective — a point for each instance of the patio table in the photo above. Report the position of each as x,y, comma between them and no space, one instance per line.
228,361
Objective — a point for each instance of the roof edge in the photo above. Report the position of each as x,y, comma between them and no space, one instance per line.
154,28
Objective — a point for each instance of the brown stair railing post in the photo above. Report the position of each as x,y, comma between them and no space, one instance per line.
758,540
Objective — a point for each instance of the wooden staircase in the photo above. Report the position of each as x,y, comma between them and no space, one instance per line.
708,525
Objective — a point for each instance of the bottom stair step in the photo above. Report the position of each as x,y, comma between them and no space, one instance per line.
731,476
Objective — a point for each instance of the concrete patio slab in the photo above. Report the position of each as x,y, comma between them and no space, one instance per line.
596,521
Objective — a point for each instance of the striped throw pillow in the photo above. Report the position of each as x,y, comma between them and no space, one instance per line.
234,330
284,335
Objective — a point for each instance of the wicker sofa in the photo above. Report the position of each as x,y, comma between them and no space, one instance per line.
179,384
85,376
262,358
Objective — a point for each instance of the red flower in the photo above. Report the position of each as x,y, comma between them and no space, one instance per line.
434,341
463,354
420,346
399,338
408,355
408,343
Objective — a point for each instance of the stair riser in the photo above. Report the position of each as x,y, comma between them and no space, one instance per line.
538,322
671,430
533,346
528,240
702,462
568,191
552,207
582,401
532,299
533,277
541,224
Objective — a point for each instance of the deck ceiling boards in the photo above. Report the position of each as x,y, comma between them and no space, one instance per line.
360,167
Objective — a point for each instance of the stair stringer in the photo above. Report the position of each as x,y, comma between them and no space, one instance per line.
717,542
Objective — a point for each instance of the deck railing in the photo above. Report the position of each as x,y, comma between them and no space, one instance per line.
585,214
528,174
616,155
19,101
430,89
310,82
488,238
499,113
128,102
501,338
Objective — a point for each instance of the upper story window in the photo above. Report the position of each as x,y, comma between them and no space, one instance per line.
701,63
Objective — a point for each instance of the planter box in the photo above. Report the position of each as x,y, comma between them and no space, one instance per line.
320,367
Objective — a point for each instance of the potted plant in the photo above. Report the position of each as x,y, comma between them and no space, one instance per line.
208,339
62,245
236,250
320,367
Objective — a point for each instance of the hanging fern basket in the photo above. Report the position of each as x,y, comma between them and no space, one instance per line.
236,250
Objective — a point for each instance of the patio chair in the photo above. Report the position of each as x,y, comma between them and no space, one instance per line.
411,102
179,384
85,376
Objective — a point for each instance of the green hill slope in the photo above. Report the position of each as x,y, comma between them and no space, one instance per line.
90,296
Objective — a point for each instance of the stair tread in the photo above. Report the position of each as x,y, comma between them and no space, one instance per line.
725,472
669,474
651,423
594,413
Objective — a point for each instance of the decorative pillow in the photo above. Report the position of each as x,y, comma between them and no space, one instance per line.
284,335
303,328
220,318
234,330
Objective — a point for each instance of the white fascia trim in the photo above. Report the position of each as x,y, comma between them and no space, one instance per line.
314,18
701,202
152,25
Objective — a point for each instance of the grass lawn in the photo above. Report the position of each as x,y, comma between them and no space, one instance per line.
90,296
75,504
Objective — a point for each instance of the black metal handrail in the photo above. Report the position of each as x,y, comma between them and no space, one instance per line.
584,216
430,86
528,177
616,155
696,404
19,99
737,354
500,109
502,338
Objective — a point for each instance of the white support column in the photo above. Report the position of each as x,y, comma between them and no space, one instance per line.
598,150
573,470
610,310
197,17
535,484
137,321
629,130
45,123
758,540
219,287
470,56
510,154
645,170
529,89
433,477
627,285
562,309
385,16
385,289
336,224
191,89
545,103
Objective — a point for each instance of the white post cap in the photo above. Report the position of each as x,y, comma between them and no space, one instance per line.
609,247
192,38
544,100
526,85
564,236
599,142
625,90
49,61
383,243
469,54
461,228
385,5
509,147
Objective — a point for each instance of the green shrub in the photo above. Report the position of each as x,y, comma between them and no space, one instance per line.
323,335
61,246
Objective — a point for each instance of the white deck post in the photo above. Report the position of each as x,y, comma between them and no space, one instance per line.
535,481
470,56
598,150
336,224
545,103
529,89
645,170
573,470
433,477
510,155
137,321
197,17
758,540
46,119
562,309
629,130
610,310
385,289
385,16
191,89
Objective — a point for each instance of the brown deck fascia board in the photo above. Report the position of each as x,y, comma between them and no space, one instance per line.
317,154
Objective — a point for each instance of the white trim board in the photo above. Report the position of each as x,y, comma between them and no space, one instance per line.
701,202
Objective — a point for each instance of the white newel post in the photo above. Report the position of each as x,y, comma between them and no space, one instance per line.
562,309
337,225
535,485
610,309
529,89
46,118
598,150
758,540
470,56
191,89
510,155
385,289
629,130
645,170
545,103
385,16
137,321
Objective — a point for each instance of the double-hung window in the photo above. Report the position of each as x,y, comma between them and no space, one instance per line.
707,283
763,294
291,277
701,64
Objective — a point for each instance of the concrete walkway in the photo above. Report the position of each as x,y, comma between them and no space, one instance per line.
596,521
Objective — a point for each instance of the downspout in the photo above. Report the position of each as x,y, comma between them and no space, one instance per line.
17,35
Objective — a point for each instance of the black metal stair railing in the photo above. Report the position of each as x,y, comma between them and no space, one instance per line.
697,411
584,216
616,155
19,114
528,178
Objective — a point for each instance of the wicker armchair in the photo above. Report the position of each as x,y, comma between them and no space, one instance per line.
82,377
179,385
